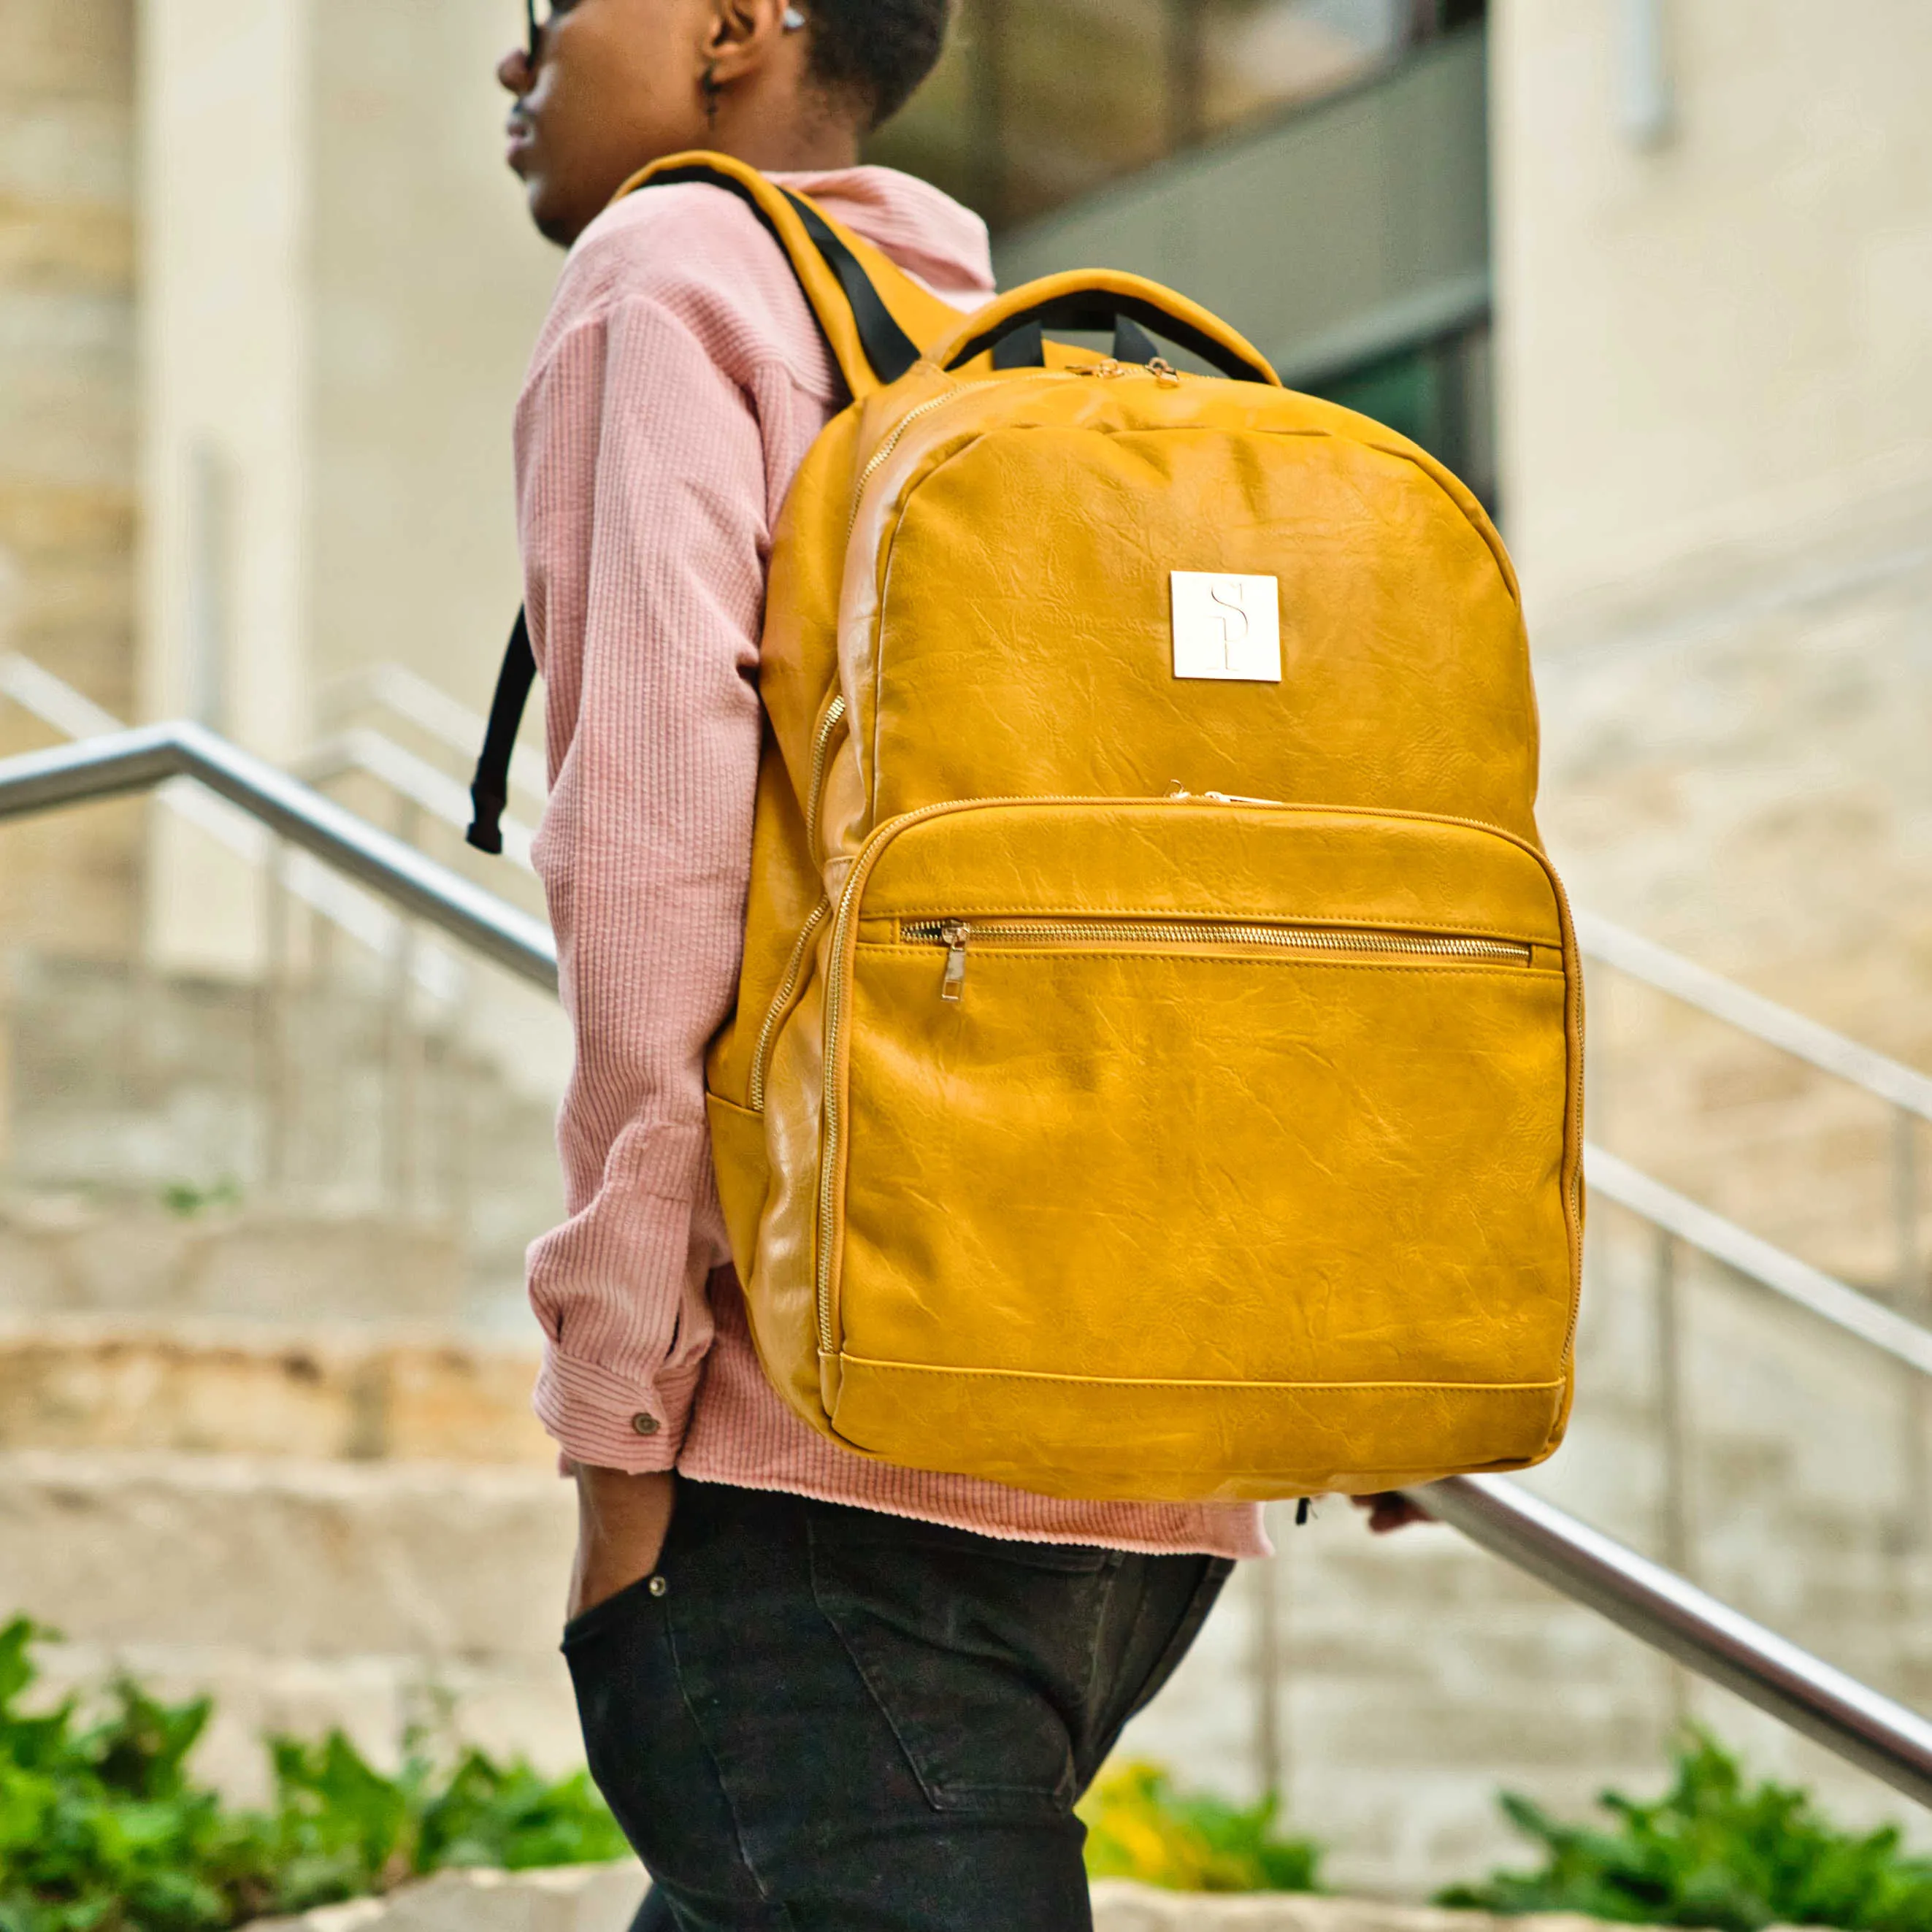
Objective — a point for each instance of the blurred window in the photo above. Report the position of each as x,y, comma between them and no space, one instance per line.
1038,102
1436,393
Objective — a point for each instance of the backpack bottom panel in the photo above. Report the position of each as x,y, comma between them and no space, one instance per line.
1157,1441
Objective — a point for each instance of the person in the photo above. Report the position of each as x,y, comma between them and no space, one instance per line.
818,1693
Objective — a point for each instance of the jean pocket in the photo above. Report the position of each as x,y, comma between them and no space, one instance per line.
979,1654
601,1618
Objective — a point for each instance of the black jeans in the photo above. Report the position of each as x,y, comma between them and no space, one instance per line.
824,1720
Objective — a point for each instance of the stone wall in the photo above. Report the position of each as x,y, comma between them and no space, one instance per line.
1714,365
67,323
67,427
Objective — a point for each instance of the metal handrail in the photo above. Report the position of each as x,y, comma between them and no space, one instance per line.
1629,953
139,760
1811,1288
357,750
396,689
421,705
414,780
1701,1632
1655,1604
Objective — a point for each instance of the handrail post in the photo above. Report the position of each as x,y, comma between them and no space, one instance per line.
1674,1502
7,970
402,1084
1674,1513
1910,1301
1905,1206
273,1082
1269,1754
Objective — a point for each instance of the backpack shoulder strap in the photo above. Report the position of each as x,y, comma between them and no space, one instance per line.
876,320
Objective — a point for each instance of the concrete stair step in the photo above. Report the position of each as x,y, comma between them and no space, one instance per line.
91,1383
282,1558
63,1255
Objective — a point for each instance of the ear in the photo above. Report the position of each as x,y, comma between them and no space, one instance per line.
742,36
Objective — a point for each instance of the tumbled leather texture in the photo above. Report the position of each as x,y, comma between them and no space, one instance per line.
1170,1210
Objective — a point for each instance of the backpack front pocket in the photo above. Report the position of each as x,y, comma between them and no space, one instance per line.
1167,1113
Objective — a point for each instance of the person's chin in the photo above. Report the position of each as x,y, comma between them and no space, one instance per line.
551,224
551,221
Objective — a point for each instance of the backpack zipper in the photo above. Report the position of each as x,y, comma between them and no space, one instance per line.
881,457
956,935
1162,372
821,750
768,1033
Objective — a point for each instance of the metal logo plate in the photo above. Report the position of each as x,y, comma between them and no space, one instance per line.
1227,627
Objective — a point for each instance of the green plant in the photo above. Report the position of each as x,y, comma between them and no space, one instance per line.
1139,1827
102,1829
1713,1851
186,1199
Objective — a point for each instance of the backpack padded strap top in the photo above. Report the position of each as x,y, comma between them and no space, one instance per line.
875,319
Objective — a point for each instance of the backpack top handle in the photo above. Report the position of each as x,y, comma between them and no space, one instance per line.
1101,299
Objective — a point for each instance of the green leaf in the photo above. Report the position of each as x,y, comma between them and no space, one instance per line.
102,1828
1713,1851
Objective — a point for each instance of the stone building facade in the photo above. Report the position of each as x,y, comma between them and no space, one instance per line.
69,390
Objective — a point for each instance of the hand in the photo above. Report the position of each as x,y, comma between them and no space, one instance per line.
1390,1511
621,1523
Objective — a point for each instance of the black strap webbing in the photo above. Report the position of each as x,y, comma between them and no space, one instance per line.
1025,348
1132,343
1089,310
491,791
888,348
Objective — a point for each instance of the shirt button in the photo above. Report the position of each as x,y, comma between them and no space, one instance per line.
644,1425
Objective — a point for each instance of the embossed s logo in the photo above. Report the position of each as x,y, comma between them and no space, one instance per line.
1228,592
1227,627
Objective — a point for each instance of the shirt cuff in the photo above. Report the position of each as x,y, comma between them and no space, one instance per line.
606,1422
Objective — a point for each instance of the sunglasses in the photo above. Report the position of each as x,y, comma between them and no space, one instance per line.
539,14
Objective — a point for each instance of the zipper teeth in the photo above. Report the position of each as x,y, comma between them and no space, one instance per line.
828,1164
834,713
834,1001
1576,1278
794,968
881,457
1216,932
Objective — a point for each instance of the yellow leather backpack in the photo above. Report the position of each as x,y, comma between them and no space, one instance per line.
1156,1068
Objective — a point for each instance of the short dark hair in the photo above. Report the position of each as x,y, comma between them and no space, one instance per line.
874,53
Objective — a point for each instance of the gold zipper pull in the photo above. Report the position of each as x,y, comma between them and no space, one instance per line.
1105,370
954,985
1164,373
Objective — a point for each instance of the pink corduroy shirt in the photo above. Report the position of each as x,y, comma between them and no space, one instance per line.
678,382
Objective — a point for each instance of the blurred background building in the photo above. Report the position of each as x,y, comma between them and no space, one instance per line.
1654,275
